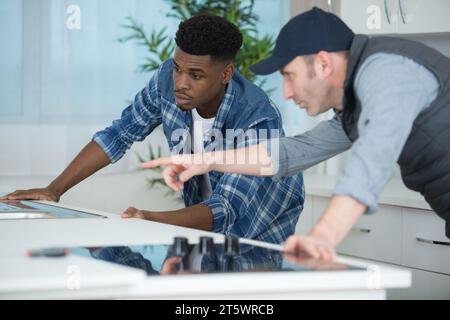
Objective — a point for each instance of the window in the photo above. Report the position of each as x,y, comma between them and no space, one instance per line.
11,56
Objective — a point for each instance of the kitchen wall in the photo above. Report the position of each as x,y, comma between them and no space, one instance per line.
58,85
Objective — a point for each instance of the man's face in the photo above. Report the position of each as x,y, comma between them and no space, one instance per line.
199,81
306,88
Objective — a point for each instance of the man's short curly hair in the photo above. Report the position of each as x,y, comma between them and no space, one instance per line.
209,35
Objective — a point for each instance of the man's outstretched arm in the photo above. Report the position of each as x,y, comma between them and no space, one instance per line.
281,157
180,168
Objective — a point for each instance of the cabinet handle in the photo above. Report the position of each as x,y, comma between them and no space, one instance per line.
442,243
402,11
363,230
386,11
330,6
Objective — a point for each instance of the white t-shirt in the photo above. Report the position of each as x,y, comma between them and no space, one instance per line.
199,127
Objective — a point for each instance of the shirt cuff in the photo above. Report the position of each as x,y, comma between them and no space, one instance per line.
356,190
99,140
221,211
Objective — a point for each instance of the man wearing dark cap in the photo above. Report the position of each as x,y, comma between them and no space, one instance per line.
391,99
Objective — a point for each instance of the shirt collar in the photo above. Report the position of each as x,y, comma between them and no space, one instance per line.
225,106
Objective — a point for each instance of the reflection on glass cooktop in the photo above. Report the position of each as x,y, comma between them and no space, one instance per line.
206,257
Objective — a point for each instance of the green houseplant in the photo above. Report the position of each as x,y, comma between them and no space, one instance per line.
161,46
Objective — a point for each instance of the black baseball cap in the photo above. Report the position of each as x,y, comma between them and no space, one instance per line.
307,33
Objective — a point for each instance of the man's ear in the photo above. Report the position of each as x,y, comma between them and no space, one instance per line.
227,73
324,64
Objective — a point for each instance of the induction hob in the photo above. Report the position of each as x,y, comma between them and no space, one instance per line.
206,257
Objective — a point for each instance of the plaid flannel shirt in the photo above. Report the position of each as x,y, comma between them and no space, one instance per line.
252,207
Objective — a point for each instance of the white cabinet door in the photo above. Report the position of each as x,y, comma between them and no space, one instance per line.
370,16
376,236
427,285
424,285
420,16
396,16
425,245
305,221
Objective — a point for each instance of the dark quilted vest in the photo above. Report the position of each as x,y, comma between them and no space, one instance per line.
425,158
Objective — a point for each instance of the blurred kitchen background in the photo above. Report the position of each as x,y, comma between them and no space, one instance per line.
65,75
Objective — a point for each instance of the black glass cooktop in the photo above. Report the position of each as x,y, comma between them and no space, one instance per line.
206,257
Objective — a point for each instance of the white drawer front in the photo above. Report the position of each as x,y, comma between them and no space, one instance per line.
427,285
425,245
376,236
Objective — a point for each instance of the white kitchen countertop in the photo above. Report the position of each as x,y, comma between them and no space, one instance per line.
24,277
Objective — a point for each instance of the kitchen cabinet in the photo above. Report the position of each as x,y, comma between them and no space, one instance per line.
396,16
420,16
376,236
402,236
424,244
431,285
370,16
386,16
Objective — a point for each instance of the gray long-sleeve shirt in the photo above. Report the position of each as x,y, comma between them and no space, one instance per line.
393,90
